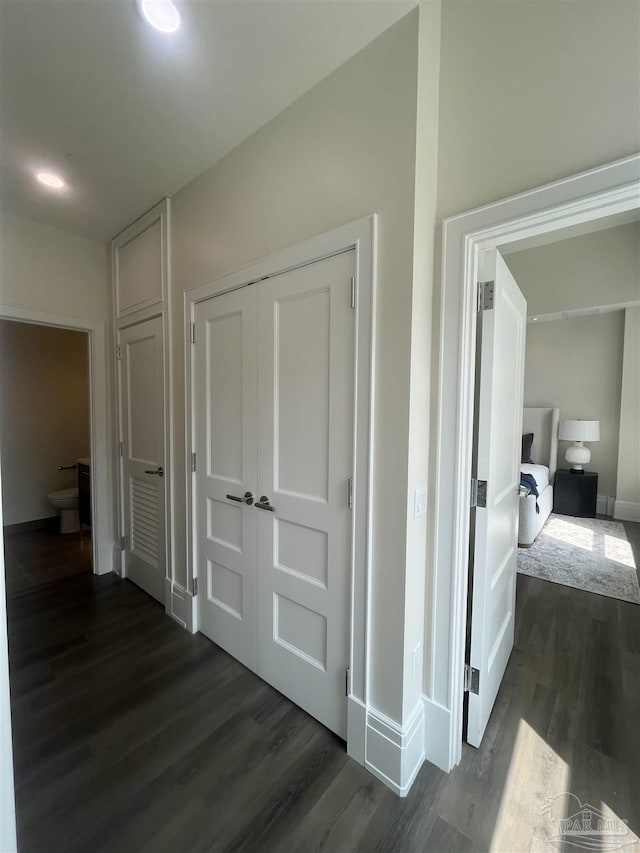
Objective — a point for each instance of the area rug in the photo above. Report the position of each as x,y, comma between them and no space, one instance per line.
585,553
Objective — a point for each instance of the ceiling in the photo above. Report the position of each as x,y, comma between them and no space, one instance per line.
128,115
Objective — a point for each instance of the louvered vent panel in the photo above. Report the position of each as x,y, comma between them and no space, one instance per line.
144,520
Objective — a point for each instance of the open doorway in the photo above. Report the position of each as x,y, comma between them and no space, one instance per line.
45,438
573,206
583,305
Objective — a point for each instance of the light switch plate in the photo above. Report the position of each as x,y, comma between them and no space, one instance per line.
420,502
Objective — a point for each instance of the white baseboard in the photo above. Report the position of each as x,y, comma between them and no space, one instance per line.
627,511
437,734
116,564
180,604
104,554
604,505
394,753
356,729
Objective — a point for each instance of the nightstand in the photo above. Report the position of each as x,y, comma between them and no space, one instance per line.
575,494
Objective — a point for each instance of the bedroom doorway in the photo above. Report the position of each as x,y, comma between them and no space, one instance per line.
579,204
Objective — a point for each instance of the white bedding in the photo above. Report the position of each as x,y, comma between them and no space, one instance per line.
540,474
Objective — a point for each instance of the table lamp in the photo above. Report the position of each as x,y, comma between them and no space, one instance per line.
578,432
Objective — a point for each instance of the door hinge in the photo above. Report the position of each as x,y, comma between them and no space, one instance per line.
471,679
350,492
120,449
194,587
193,463
478,493
353,291
118,352
347,681
123,543
193,333
486,290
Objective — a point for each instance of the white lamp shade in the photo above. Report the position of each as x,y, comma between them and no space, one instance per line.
579,430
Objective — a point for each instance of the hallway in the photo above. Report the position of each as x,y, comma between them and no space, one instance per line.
130,734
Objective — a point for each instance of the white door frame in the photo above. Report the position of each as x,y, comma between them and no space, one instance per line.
101,487
359,236
572,203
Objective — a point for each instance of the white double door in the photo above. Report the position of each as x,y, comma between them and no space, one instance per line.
274,436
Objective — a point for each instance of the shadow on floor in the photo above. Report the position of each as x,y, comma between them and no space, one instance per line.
35,558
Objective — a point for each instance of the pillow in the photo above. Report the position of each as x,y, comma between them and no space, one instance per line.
527,441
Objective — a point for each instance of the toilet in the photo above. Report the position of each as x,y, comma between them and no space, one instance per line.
66,502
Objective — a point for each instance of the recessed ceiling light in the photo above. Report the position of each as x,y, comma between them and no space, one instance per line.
49,179
161,14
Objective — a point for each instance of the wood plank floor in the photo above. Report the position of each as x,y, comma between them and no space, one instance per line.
131,735
35,558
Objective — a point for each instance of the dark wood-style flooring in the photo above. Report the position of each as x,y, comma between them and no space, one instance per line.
35,558
131,735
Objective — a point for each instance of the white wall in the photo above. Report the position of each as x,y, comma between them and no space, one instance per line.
344,150
532,91
421,320
45,269
628,491
602,268
44,414
577,366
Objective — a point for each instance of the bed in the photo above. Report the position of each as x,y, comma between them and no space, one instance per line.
543,423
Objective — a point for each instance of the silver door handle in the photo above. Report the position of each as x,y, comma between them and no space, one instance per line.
159,472
263,503
247,498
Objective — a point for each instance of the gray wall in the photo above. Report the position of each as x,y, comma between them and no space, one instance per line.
577,366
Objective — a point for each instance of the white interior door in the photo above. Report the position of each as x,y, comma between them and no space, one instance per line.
143,454
498,463
305,460
226,447
273,416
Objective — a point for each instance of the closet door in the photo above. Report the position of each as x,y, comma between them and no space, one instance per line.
143,454
305,462
225,422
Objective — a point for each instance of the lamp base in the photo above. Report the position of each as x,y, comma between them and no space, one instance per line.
577,456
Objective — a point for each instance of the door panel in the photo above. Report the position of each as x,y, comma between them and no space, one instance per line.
274,366
226,447
500,402
305,411
142,430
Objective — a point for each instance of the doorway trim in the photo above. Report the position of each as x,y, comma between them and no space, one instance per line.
359,236
572,203
102,541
